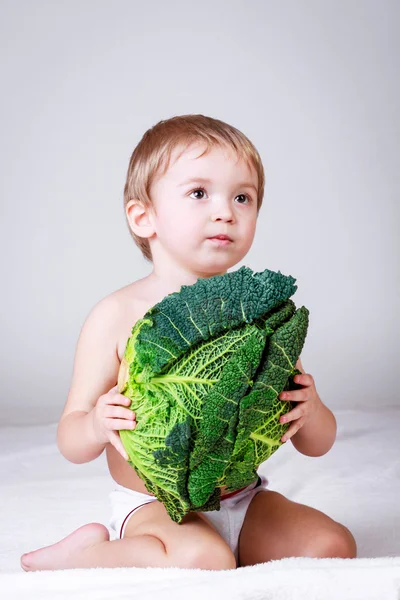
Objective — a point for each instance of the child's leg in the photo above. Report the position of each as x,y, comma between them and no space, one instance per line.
276,527
90,546
192,544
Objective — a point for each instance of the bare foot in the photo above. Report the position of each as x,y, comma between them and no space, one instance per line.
66,553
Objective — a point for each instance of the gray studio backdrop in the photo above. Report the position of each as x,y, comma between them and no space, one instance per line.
314,84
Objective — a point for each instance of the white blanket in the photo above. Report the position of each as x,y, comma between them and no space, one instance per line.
44,497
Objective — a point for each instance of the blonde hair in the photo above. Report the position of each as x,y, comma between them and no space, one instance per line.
152,156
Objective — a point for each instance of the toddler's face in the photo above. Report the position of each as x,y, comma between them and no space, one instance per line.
199,198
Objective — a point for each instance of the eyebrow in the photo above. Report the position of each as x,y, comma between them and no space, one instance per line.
205,180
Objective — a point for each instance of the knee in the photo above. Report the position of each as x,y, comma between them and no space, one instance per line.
349,543
214,558
336,543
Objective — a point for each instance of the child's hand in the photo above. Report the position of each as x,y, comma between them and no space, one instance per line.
109,416
308,404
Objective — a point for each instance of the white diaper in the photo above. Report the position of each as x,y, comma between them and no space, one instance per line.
228,520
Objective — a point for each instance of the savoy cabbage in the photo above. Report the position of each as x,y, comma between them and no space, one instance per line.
204,369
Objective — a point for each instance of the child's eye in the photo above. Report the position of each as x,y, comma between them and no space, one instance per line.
198,190
203,191
244,196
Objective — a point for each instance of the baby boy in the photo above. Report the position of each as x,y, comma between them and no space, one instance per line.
192,196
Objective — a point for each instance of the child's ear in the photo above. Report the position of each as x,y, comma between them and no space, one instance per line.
139,218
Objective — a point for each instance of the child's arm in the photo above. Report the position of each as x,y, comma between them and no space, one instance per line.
81,434
313,428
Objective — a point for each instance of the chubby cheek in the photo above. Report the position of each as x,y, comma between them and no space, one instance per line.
178,231
247,233
247,240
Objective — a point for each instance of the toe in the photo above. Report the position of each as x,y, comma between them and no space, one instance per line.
25,561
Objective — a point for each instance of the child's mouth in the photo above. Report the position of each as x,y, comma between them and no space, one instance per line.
220,241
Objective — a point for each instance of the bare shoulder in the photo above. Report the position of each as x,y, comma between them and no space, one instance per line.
101,345
133,301
118,312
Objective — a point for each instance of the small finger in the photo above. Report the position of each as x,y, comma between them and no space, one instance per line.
296,413
124,400
121,412
118,399
118,424
294,428
304,379
288,434
285,418
294,396
115,440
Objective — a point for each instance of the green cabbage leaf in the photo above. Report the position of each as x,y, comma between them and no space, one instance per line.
204,369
